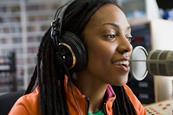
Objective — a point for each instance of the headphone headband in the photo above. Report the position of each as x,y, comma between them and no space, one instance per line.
56,25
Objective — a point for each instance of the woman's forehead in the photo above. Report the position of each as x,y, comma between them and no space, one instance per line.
109,13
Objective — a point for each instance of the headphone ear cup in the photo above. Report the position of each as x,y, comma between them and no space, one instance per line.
77,58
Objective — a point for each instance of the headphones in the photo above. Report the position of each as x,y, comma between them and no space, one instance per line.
69,48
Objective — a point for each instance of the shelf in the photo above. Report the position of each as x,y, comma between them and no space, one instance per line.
22,25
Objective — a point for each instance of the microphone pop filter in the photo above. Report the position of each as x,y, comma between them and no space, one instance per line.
138,63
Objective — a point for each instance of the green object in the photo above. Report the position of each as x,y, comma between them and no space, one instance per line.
96,113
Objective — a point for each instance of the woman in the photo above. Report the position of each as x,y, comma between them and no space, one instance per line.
90,80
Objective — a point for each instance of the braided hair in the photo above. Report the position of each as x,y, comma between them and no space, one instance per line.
49,75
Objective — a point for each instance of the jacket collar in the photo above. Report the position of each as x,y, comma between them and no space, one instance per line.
77,102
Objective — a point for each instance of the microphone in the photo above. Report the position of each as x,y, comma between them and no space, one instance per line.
157,62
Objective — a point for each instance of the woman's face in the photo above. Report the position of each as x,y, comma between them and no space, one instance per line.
107,37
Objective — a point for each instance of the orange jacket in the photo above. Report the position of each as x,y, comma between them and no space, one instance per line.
29,104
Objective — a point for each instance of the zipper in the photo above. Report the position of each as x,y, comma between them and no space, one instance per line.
87,105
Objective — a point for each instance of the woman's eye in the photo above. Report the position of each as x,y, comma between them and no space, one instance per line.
110,36
130,38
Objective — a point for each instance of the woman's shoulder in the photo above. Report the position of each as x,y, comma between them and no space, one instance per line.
27,104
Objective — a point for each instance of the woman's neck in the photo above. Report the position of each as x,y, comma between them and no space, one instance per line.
93,89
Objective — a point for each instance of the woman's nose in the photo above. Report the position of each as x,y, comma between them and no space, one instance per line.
124,45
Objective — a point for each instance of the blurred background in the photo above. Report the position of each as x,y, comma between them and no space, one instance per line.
24,22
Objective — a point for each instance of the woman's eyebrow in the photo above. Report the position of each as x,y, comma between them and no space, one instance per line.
112,24
129,28
117,26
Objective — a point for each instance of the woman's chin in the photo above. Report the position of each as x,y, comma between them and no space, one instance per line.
120,82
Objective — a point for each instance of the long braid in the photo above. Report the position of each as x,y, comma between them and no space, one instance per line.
43,79
52,95
53,87
47,78
122,105
38,73
34,76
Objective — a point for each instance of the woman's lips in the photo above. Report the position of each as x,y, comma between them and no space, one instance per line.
123,65
125,62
